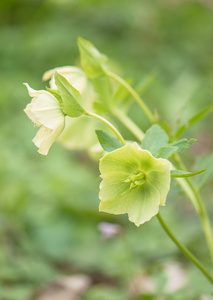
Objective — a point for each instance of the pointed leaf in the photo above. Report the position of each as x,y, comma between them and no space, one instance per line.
70,97
108,142
56,94
182,144
92,61
154,139
181,173
166,151
194,120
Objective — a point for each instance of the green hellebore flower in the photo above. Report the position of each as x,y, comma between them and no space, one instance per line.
134,182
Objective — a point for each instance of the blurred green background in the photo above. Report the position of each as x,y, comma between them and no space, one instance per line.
49,219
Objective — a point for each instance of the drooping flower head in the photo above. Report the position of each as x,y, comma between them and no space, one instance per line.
45,111
133,182
77,78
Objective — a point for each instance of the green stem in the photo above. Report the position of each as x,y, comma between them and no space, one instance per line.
186,184
128,123
112,127
134,94
194,195
184,249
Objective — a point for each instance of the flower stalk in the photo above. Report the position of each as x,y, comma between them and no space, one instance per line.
112,127
135,95
184,249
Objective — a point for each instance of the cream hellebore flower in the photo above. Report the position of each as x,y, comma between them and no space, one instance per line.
133,182
79,133
45,111
75,76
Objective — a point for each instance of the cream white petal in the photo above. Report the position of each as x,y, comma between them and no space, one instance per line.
74,76
49,139
62,70
42,133
47,110
32,92
28,112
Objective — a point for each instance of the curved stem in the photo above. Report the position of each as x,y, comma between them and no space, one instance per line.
194,195
112,127
184,249
128,123
186,183
137,98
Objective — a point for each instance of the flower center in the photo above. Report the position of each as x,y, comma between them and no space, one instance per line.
137,179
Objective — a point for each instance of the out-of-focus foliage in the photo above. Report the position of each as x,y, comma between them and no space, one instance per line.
49,205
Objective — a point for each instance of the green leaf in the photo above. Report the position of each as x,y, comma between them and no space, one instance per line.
154,139
92,61
56,94
180,173
70,96
108,142
166,151
204,160
182,144
194,120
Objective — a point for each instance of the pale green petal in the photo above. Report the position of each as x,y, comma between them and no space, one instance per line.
143,204
161,181
111,190
123,190
119,161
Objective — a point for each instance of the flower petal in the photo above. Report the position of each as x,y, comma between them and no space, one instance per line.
120,162
47,110
61,70
42,133
32,92
134,182
143,204
46,137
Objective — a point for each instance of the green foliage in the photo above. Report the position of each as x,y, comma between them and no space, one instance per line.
108,142
56,94
196,118
156,141
180,173
48,206
166,151
182,144
70,96
92,61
